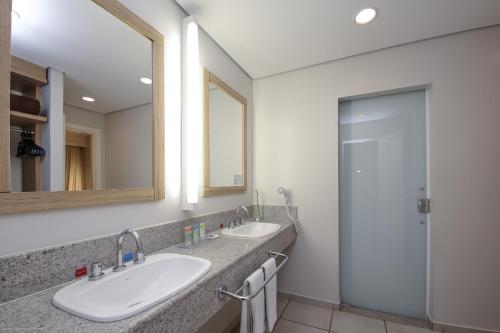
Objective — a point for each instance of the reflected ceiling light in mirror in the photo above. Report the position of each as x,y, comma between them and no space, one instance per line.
146,80
192,108
88,99
365,16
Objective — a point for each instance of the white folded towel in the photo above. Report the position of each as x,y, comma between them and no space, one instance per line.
257,316
269,268
244,312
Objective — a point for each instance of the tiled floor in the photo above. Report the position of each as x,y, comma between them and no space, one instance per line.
296,317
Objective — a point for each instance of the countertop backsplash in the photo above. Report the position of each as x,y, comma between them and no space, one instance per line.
33,271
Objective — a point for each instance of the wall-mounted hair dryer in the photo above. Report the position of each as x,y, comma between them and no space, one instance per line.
285,199
285,196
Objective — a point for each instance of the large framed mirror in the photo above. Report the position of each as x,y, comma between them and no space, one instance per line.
81,105
225,136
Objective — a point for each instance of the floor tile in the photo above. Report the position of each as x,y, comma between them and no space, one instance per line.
384,316
307,314
345,322
282,302
285,326
399,328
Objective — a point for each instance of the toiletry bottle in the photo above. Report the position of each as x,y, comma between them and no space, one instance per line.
196,234
203,229
188,236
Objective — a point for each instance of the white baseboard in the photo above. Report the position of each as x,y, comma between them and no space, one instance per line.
311,300
454,328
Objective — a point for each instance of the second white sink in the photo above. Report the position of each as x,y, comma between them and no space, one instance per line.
122,294
252,230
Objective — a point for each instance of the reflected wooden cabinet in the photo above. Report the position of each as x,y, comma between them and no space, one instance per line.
27,78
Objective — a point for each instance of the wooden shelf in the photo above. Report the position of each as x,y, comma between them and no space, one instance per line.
28,78
22,119
26,75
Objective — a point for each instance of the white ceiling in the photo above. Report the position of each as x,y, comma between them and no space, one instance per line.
267,37
101,56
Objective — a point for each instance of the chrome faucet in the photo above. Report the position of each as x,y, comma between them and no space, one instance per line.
139,256
239,222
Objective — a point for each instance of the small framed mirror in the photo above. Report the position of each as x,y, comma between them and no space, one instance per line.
225,136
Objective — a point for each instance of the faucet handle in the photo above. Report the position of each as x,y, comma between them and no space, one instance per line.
96,272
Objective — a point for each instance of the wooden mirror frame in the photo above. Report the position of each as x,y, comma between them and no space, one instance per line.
19,202
207,189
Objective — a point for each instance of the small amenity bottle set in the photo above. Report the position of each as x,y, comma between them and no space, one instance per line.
194,234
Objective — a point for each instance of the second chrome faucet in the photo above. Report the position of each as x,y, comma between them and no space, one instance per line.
237,222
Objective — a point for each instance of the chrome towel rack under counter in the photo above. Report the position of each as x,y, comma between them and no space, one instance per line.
222,291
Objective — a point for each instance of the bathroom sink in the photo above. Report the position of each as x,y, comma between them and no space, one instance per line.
119,295
252,230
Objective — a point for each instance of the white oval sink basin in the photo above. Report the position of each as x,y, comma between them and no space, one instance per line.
252,230
119,295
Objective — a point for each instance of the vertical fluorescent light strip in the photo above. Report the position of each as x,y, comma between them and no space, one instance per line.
193,111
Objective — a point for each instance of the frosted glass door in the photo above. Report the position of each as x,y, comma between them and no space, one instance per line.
382,175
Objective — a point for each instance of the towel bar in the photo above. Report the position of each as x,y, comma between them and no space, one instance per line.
222,291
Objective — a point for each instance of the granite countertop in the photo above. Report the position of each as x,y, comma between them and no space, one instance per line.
232,260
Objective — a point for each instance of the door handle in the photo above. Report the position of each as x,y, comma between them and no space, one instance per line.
424,206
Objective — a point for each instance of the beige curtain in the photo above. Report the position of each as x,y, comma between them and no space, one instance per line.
74,169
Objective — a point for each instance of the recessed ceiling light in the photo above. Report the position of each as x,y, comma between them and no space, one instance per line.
365,16
146,80
88,99
15,15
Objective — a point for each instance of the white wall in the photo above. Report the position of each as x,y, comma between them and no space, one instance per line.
296,146
129,148
53,163
28,231
75,115
229,72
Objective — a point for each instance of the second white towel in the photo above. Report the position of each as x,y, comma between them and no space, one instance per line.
255,281
271,294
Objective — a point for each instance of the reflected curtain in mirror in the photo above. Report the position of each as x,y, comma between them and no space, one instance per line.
74,169
79,168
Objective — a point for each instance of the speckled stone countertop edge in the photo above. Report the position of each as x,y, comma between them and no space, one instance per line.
231,258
